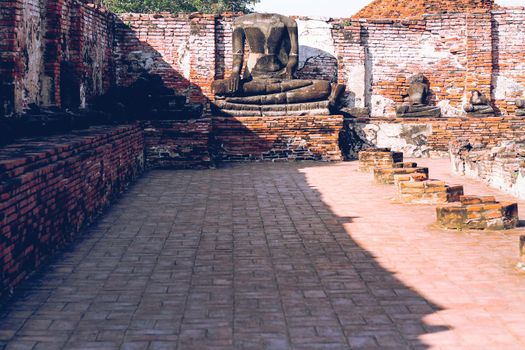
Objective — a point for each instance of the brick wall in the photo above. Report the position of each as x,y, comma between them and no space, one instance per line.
430,137
42,41
457,51
50,188
175,144
277,138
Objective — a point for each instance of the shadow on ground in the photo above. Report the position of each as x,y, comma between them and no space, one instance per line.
246,256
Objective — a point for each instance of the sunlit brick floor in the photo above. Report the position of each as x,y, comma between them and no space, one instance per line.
275,256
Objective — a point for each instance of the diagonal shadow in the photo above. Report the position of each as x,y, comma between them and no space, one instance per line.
245,256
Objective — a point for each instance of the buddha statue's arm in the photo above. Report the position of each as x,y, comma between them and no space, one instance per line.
239,39
293,59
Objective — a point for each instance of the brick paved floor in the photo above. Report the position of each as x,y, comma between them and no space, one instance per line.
275,256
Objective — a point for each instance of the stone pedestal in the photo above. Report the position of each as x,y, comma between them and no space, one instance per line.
378,158
278,138
478,213
387,175
426,192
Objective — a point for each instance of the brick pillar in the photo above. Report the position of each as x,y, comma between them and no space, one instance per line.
202,59
479,53
53,51
9,56
351,58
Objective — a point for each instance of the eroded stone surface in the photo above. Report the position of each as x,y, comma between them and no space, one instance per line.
478,213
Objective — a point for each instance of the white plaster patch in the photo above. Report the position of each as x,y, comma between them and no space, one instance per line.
379,105
315,38
448,111
355,84
411,139
505,87
184,55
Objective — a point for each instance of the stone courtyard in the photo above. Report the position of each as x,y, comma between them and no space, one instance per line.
273,256
221,178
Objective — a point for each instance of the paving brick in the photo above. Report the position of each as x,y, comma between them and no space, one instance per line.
272,256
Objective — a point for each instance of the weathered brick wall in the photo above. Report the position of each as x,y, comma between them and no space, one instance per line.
277,138
457,51
175,144
502,167
46,40
50,188
179,48
430,137
509,57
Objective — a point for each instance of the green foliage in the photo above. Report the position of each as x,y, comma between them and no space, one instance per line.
176,6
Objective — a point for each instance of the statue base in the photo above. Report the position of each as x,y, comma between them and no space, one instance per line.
418,111
277,138
480,115
317,108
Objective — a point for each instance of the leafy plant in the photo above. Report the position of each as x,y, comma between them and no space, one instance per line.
176,6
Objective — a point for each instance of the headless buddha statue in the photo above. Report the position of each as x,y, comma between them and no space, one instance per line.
416,101
268,86
478,106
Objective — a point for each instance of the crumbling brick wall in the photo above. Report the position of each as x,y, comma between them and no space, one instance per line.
50,189
43,38
458,46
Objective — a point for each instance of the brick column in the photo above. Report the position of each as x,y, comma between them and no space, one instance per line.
479,53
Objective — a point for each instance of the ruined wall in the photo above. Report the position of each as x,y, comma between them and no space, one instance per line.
509,57
277,138
502,167
50,188
190,51
429,137
55,50
458,52
179,48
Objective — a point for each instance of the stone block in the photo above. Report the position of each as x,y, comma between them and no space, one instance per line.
426,192
378,158
481,213
387,175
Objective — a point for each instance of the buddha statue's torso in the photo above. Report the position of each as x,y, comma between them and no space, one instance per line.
269,45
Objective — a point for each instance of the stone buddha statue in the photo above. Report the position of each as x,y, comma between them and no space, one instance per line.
479,106
267,86
416,102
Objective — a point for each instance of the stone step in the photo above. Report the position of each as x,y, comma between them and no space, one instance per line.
478,213
378,158
387,175
427,192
